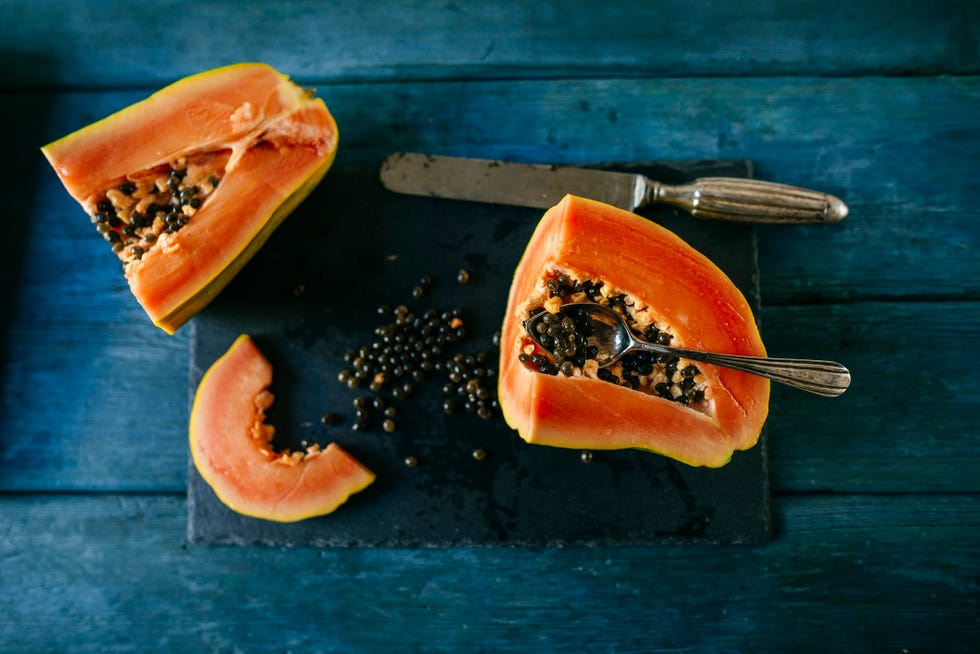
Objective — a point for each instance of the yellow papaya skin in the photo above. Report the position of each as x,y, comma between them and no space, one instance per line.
277,140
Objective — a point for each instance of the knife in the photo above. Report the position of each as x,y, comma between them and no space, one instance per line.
543,186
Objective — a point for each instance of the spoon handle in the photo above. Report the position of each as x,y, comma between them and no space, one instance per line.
824,378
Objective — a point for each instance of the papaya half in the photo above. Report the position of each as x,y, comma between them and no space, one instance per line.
587,251
189,183
231,447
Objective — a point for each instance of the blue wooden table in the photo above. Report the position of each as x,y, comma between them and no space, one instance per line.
876,495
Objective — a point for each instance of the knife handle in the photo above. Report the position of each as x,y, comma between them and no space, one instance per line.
748,200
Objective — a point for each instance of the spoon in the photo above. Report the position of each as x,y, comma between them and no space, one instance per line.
613,339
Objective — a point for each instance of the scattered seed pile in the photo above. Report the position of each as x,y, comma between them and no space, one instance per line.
133,214
409,348
569,352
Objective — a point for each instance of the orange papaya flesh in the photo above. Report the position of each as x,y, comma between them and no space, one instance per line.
188,184
231,447
587,251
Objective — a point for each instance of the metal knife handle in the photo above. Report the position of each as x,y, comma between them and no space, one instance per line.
748,200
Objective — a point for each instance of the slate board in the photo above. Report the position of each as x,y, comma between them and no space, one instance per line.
311,294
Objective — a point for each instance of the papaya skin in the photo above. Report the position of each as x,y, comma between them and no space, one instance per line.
704,310
281,141
229,444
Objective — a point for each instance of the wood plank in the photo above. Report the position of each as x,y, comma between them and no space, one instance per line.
113,573
910,198
909,420
139,44
96,404
917,429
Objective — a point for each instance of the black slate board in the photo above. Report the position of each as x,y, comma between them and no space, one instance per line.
311,294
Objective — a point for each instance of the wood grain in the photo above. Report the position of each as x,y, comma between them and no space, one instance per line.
114,571
352,41
907,421
896,429
835,135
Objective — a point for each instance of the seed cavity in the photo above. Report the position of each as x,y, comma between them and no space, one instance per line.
568,351
134,212
265,434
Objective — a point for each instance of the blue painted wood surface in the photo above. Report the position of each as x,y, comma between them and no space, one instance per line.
877,544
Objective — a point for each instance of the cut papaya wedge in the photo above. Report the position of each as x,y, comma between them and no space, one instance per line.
231,447
189,183
587,251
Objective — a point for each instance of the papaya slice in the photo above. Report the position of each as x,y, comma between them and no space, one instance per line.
231,447
587,251
189,183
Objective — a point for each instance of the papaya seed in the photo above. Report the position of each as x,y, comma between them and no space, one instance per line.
566,341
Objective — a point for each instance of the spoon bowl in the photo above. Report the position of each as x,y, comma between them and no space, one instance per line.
609,339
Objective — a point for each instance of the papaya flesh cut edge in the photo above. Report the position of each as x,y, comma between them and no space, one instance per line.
231,447
263,142
660,274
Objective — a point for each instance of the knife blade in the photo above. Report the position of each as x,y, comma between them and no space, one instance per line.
543,186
